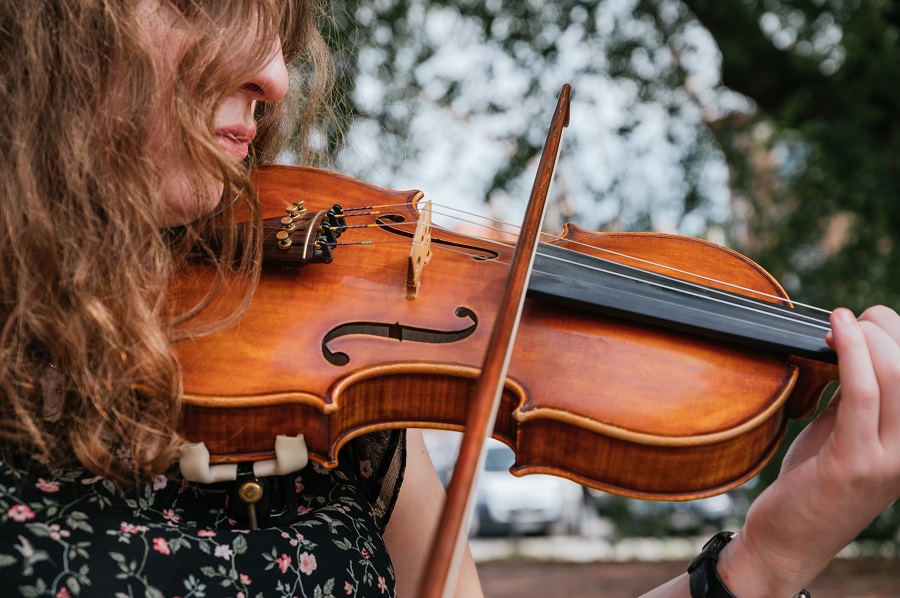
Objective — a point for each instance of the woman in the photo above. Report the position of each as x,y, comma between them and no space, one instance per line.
122,119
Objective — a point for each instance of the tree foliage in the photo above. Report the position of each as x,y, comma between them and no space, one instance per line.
770,125
460,93
457,93
822,74
821,207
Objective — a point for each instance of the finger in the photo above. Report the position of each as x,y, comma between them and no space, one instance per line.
885,354
813,437
860,393
885,318
829,336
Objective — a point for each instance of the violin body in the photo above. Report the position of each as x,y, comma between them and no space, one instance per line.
336,350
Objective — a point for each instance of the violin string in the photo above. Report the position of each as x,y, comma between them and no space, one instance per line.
552,237
730,299
725,298
788,316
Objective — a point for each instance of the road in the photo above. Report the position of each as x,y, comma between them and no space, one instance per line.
579,567
845,578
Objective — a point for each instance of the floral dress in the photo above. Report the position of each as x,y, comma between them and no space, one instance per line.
70,533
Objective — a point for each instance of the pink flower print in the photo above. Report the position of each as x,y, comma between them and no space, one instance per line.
298,485
301,510
224,551
20,513
171,515
308,563
245,579
382,585
159,482
160,546
283,562
124,455
63,593
365,553
56,533
365,468
93,480
132,529
348,589
206,533
47,485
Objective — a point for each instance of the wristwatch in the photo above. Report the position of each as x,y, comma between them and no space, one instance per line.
705,581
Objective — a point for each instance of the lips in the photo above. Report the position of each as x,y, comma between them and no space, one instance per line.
235,139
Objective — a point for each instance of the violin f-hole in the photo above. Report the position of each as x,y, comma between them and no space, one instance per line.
397,331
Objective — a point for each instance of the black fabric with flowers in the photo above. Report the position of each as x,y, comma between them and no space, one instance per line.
69,533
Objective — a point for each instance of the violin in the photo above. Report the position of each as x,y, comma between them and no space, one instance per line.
648,365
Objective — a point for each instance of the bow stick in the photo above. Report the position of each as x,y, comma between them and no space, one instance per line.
447,547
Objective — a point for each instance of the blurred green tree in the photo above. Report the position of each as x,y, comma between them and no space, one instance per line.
816,162
463,90
768,125
809,140
822,75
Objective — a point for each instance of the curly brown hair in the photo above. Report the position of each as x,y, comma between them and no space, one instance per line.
87,370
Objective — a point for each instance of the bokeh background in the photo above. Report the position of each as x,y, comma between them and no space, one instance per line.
770,126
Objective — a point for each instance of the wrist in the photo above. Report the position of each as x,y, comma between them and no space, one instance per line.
747,573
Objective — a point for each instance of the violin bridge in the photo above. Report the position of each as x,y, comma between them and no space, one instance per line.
419,253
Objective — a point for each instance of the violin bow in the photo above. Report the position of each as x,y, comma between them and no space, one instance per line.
447,547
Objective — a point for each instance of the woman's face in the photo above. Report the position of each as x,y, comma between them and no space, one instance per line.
234,122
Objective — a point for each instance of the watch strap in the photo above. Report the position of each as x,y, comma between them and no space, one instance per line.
704,578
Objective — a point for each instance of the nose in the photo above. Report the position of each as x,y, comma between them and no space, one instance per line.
271,82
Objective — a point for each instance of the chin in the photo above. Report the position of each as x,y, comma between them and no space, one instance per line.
182,204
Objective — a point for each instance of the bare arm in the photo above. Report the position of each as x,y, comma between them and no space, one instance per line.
840,473
414,521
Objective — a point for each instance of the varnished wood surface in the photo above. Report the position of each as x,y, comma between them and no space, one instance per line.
619,406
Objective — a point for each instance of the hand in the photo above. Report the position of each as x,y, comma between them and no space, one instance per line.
840,473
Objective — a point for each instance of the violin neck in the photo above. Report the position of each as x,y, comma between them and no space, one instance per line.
600,286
